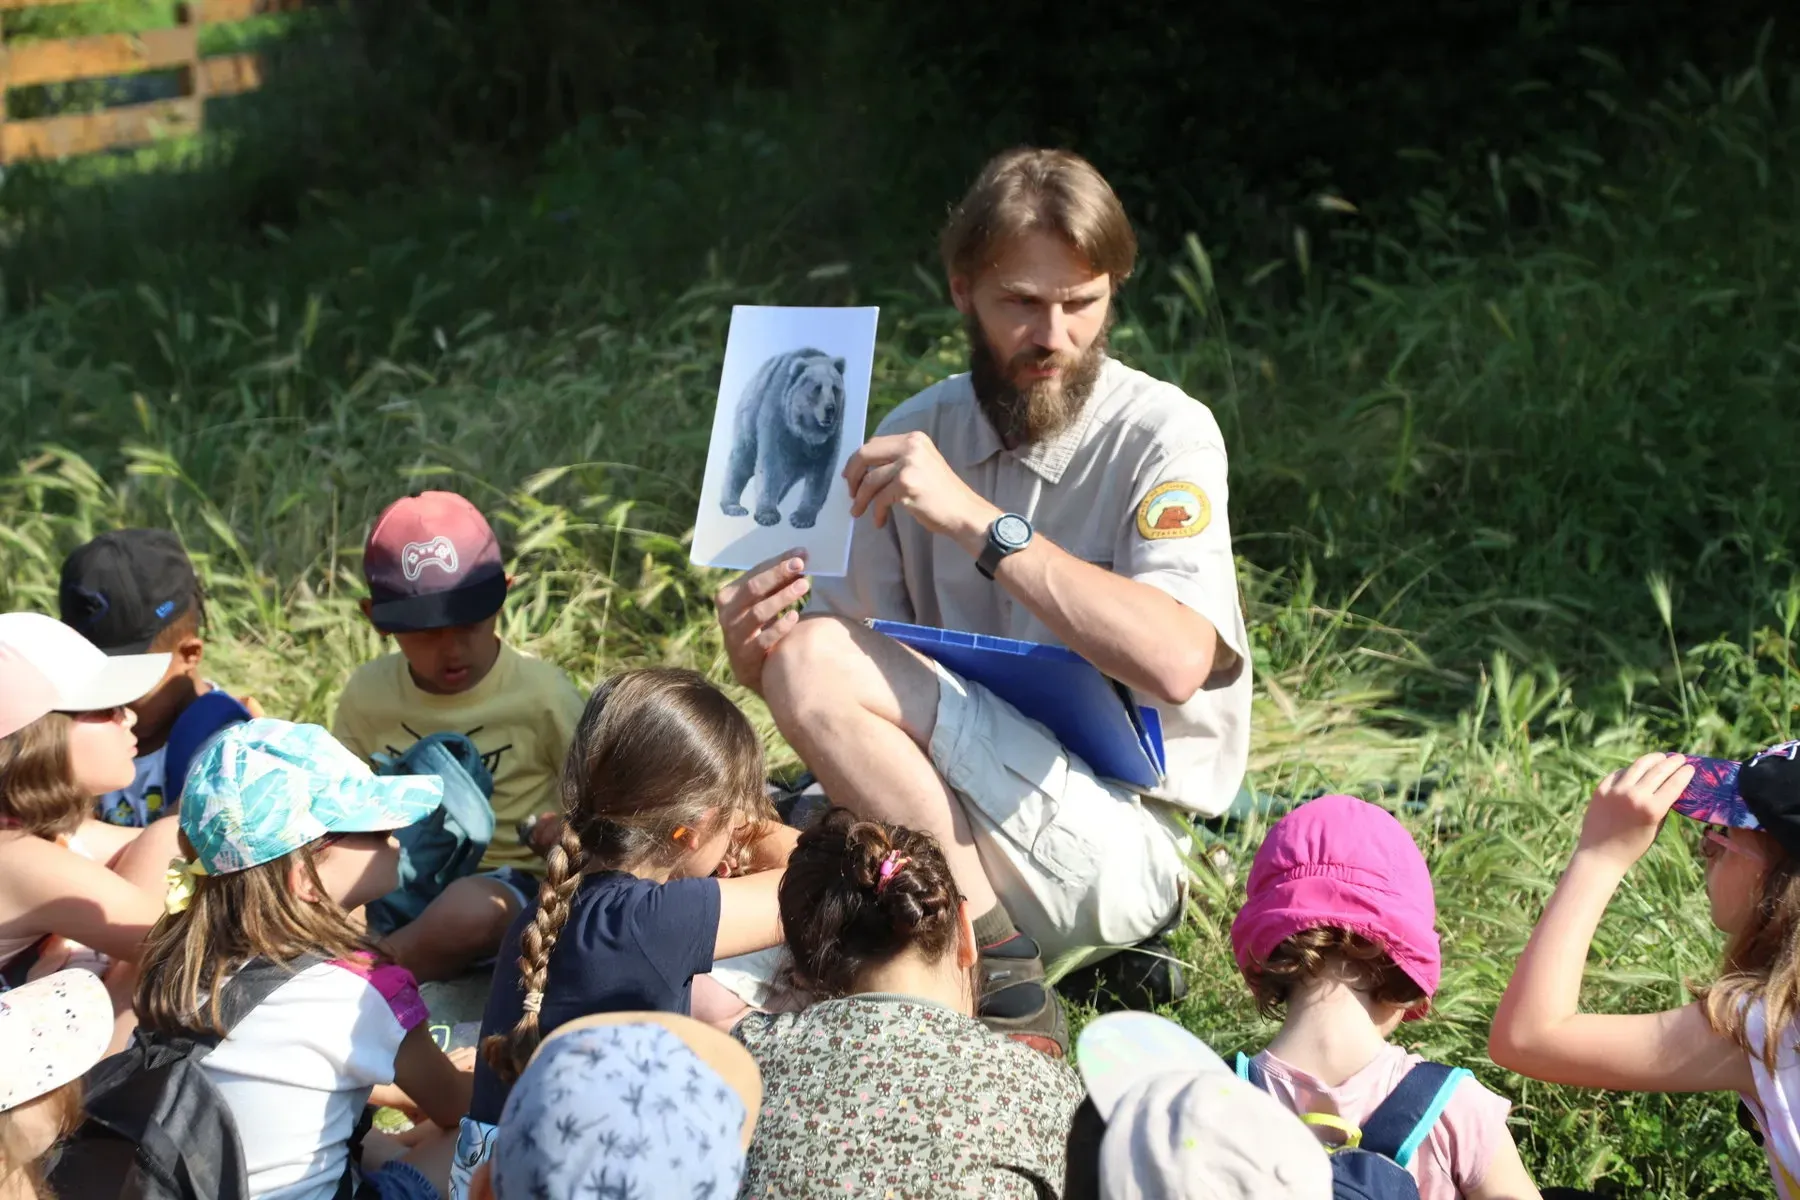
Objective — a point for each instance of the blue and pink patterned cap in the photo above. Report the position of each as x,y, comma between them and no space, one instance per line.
1763,792
265,788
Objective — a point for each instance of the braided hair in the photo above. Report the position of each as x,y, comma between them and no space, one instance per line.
657,753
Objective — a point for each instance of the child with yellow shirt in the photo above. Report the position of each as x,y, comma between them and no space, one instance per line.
437,585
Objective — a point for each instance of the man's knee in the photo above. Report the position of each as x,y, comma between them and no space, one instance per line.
818,660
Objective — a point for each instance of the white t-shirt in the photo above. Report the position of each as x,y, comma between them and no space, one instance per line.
141,802
1776,1105
297,1071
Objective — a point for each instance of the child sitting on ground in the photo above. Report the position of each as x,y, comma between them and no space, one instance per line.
437,585
134,591
1721,1041
889,1085
73,891
286,833
1338,937
51,1031
662,784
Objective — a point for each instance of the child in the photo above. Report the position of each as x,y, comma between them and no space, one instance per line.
1338,936
134,591
287,832
437,584
889,1085
72,890
664,777
680,1131
1721,1041
51,1031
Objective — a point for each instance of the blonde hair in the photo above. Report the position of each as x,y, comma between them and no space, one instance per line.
66,1103
656,752
1024,190
37,781
1762,960
231,920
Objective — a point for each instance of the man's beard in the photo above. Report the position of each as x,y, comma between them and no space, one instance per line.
1043,408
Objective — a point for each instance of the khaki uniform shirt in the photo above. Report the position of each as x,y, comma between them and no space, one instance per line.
1136,485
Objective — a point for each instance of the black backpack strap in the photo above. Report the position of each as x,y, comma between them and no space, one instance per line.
1397,1128
255,983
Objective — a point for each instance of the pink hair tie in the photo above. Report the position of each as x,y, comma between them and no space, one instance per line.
890,867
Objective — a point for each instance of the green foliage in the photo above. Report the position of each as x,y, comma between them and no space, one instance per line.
1513,504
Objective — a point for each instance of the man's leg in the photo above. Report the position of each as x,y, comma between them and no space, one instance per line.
859,708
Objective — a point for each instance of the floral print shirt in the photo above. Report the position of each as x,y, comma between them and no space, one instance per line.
895,1096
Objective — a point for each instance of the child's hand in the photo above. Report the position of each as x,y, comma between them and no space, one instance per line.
541,832
1629,806
766,846
252,707
463,1059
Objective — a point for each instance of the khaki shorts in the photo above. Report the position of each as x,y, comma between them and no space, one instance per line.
1079,863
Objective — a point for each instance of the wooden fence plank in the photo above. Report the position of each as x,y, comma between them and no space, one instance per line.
4,4
231,74
224,12
84,133
99,56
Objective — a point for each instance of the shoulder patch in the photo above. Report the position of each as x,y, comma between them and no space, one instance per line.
1173,510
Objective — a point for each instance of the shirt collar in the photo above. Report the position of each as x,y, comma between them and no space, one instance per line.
1049,459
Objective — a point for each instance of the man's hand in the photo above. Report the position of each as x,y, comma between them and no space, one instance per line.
756,611
905,469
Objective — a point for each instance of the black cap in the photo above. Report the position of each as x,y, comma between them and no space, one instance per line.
124,588
1770,787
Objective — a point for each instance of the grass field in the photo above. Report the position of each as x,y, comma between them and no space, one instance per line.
1512,506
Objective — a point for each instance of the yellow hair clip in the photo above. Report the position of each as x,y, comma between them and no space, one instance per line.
178,881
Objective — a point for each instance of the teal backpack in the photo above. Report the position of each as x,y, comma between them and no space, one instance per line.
449,843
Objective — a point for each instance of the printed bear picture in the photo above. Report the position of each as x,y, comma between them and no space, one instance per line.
785,433
792,407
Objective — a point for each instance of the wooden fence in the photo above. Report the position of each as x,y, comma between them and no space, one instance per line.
99,56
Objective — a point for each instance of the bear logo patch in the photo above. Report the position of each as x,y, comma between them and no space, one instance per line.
1173,510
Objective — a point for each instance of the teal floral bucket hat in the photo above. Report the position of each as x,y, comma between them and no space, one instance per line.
264,788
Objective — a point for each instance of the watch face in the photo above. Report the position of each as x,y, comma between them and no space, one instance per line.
1012,531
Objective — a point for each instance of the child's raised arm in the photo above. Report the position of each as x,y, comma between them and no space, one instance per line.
1540,1032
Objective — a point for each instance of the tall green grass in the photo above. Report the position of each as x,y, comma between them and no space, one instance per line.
1510,509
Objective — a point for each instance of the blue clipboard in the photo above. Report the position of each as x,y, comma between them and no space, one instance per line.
1093,716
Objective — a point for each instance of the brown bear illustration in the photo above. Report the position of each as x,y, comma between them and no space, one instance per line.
1173,517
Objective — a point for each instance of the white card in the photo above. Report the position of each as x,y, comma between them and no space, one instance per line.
793,407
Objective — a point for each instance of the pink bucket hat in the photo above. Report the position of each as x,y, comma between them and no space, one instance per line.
1340,862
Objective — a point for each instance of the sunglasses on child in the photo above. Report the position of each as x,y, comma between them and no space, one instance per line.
103,716
1715,844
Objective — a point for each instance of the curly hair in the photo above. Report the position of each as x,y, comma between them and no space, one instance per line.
1350,958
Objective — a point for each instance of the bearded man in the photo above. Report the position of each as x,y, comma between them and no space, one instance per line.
1050,494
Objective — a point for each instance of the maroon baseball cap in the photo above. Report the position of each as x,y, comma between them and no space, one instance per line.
432,562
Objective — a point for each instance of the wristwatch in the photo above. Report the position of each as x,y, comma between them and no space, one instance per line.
1009,534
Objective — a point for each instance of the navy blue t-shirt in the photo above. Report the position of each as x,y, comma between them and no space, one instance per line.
629,945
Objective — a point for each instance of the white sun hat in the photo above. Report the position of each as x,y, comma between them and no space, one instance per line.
82,677
51,1031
